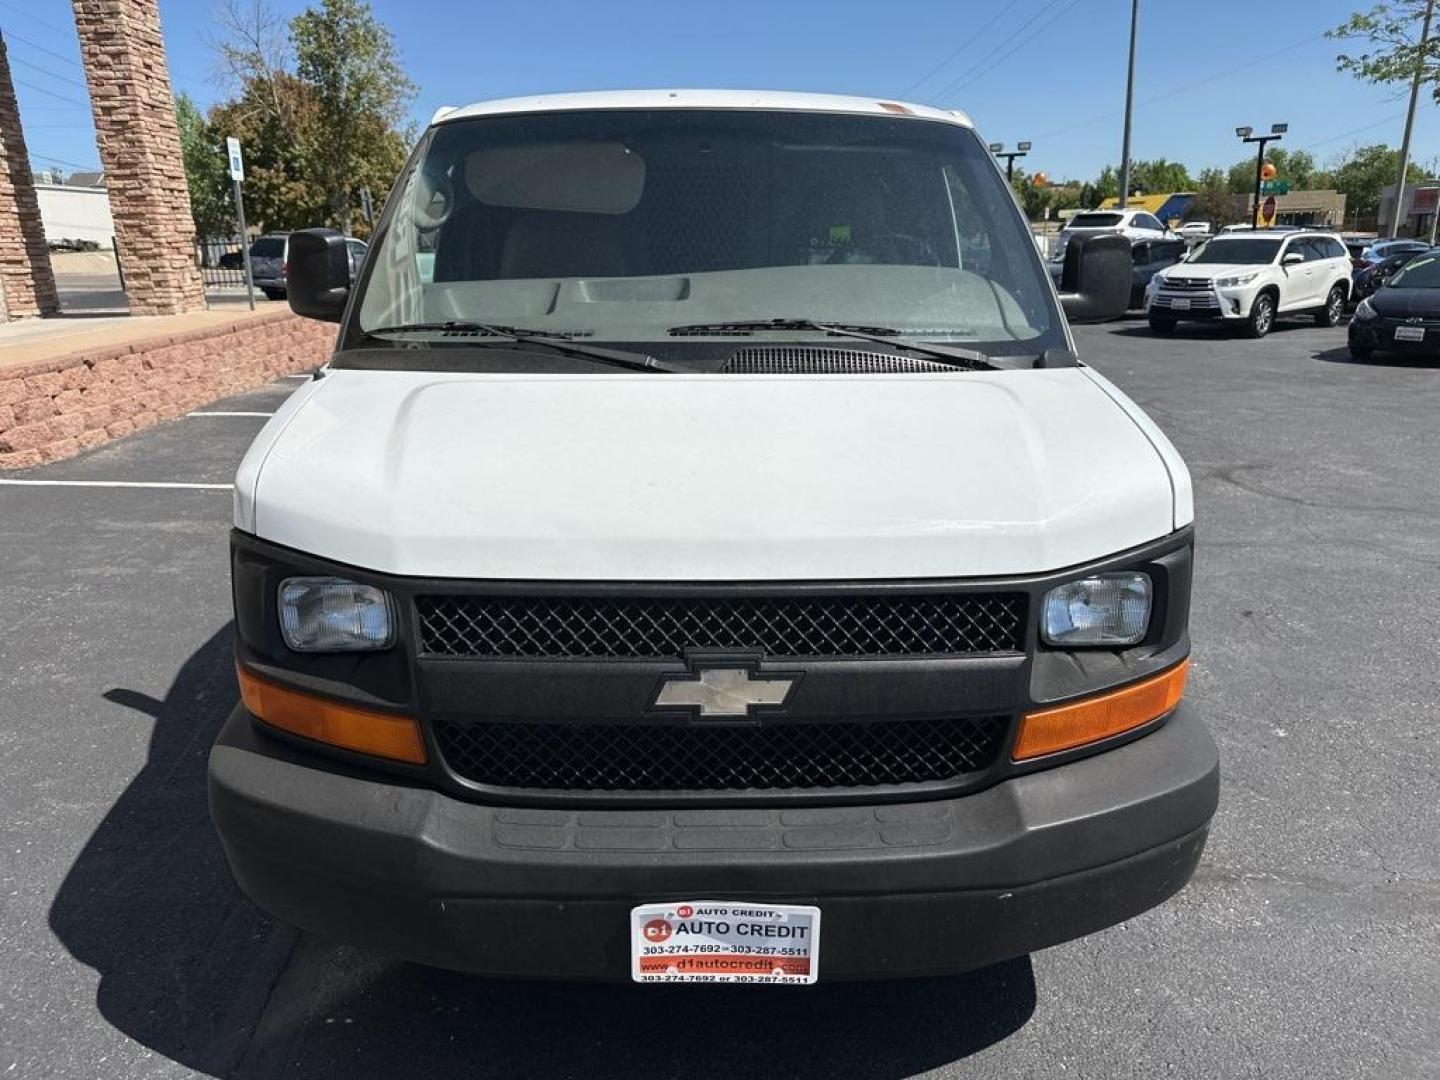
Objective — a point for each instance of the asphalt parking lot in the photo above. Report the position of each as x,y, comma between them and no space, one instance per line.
1307,946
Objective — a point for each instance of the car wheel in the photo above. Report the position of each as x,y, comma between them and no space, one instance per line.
1163,327
1262,316
1359,352
1334,309
273,294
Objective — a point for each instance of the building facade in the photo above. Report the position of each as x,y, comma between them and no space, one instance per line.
69,213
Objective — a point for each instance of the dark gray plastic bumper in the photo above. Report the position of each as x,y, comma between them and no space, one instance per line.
905,889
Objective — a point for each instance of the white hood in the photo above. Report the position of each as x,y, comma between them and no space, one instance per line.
1210,271
711,477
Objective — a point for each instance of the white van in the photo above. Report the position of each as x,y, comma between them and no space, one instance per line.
705,558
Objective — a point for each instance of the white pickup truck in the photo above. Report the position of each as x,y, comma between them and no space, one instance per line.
704,558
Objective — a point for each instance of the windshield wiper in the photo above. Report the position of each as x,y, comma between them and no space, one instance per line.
953,355
514,335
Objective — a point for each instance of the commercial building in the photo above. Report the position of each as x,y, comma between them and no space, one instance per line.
1322,208
69,212
1417,211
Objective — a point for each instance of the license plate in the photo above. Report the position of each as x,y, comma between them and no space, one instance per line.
722,941
1181,303
1409,333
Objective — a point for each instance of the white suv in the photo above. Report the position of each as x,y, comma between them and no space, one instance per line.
1132,224
1250,278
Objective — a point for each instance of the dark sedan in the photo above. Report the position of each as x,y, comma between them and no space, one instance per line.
1403,316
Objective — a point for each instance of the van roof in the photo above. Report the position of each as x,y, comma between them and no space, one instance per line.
701,99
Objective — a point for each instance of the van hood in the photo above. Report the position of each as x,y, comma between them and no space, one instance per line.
624,477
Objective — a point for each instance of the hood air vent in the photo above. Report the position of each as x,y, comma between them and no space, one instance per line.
793,360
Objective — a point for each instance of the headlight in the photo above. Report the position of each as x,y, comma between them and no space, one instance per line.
329,614
1107,609
1365,312
1238,279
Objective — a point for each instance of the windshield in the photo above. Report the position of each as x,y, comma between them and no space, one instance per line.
1247,250
268,247
1095,221
1419,273
623,225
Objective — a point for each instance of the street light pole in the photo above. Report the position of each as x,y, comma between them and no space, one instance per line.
1021,149
1277,131
1410,119
1129,107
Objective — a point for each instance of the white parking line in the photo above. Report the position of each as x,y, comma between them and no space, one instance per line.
230,414
118,484
295,376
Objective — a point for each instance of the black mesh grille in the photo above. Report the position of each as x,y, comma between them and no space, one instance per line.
664,628
792,360
691,757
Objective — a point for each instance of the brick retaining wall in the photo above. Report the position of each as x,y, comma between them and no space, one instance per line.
53,409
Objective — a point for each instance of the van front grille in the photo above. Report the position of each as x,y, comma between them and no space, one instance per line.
631,627
694,757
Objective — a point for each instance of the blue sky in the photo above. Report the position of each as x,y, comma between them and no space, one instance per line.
1052,71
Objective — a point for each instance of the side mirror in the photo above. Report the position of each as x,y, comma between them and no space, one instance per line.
1095,282
317,274
1291,258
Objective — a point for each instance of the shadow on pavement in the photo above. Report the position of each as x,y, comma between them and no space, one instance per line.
184,960
386,1018
193,971
1380,359
1210,330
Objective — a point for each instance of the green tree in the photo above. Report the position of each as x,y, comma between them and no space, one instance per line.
273,119
1033,198
1105,186
348,59
205,172
317,103
1213,202
1390,33
1159,176
1366,171
1295,166
1066,197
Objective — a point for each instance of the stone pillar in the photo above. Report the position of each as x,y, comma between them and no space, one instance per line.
27,284
139,142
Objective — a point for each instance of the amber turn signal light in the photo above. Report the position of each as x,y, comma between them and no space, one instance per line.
1089,720
381,734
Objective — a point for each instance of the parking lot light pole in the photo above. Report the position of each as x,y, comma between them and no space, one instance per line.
1277,131
1021,149
1129,108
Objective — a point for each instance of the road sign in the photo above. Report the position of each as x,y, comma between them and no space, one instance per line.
237,177
1267,211
237,163
1275,187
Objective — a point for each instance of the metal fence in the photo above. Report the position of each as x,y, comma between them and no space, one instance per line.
222,264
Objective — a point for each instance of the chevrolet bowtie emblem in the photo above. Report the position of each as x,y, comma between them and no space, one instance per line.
728,691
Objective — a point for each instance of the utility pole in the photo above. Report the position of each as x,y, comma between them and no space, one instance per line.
1130,107
1277,131
1410,120
998,149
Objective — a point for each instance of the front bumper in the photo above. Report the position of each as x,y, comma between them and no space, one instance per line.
905,889
1230,304
1379,335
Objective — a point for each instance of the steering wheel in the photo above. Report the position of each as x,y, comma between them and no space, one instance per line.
904,249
